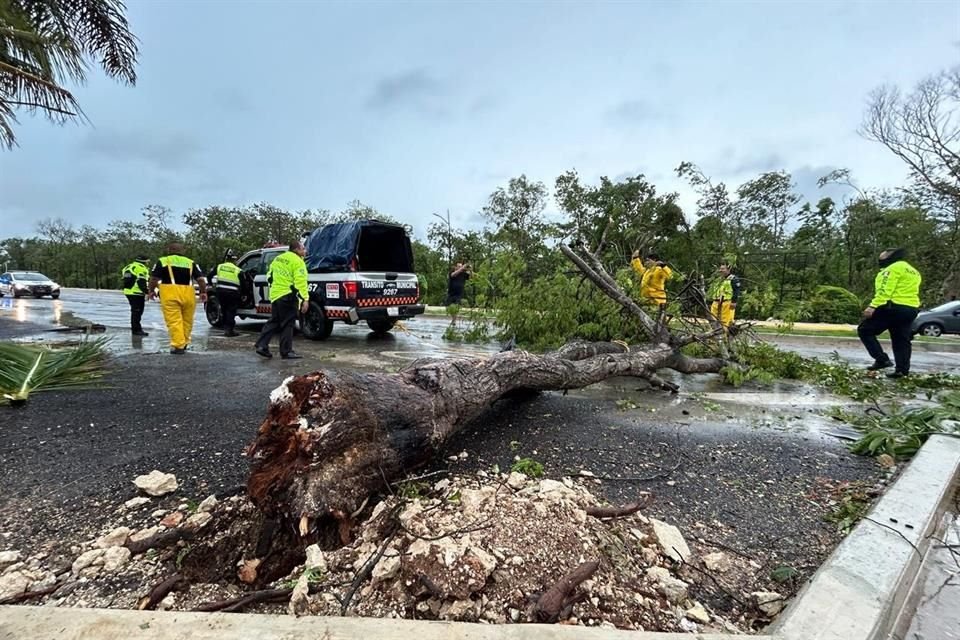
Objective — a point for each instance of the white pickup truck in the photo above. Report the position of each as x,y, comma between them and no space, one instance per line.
356,271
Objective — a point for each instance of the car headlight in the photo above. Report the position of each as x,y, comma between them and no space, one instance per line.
54,285
21,286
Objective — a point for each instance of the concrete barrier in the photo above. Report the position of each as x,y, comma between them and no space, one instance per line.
43,623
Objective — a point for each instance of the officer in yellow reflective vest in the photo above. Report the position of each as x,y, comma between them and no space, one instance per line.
287,276
174,273
894,307
228,291
135,277
724,295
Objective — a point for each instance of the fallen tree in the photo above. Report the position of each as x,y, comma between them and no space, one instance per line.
332,438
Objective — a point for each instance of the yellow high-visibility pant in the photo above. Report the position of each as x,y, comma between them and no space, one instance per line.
178,305
655,297
723,311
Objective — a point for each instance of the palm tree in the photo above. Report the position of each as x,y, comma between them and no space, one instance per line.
46,43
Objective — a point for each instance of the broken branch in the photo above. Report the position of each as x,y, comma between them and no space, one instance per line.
554,599
618,512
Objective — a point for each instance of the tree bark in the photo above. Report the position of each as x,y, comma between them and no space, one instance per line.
331,438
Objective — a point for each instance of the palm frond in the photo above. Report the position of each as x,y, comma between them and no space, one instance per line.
44,43
27,368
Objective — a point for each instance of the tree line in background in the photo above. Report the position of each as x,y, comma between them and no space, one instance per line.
798,260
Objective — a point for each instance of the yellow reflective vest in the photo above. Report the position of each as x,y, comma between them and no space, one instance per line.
228,276
140,275
899,283
287,273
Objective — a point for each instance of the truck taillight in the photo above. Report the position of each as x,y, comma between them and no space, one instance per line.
350,288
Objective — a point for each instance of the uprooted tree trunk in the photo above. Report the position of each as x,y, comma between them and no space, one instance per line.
331,439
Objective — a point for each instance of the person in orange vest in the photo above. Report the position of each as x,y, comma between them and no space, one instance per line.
653,274
173,274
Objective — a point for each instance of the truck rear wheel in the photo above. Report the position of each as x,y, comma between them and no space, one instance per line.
381,326
213,312
314,324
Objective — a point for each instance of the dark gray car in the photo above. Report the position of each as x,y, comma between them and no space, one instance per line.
939,320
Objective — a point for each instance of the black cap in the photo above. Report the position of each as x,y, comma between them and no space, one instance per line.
230,255
142,258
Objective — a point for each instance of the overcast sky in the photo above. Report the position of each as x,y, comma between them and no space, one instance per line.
415,108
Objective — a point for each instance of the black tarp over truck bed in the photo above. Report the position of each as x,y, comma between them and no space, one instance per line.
377,246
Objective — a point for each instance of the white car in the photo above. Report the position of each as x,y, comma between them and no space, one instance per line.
28,283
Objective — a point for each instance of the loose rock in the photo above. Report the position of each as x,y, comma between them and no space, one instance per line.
13,583
87,559
770,603
116,538
698,613
198,520
718,562
315,559
516,480
134,503
114,558
208,504
671,541
672,588
8,558
172,519
156,483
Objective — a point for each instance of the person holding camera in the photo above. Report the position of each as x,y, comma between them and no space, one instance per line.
455,286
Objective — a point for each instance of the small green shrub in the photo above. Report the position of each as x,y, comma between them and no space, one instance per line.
849,510
834,305
757,305
528,467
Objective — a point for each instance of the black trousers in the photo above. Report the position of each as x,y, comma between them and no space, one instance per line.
898,320
229,302
136,312
283,315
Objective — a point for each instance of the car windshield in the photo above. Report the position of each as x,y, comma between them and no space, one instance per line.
30,277
946,306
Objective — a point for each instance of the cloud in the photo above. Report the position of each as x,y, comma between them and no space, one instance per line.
763,163
481,105
168,151
634,112
232,100
415,89
805,178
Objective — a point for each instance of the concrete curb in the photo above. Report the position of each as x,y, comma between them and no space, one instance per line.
859,592
42,623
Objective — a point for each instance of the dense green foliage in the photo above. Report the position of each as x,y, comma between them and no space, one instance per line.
902,433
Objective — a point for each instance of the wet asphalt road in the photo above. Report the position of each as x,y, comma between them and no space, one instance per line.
743,466
28,318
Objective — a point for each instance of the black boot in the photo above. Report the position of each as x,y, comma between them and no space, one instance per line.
880,364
